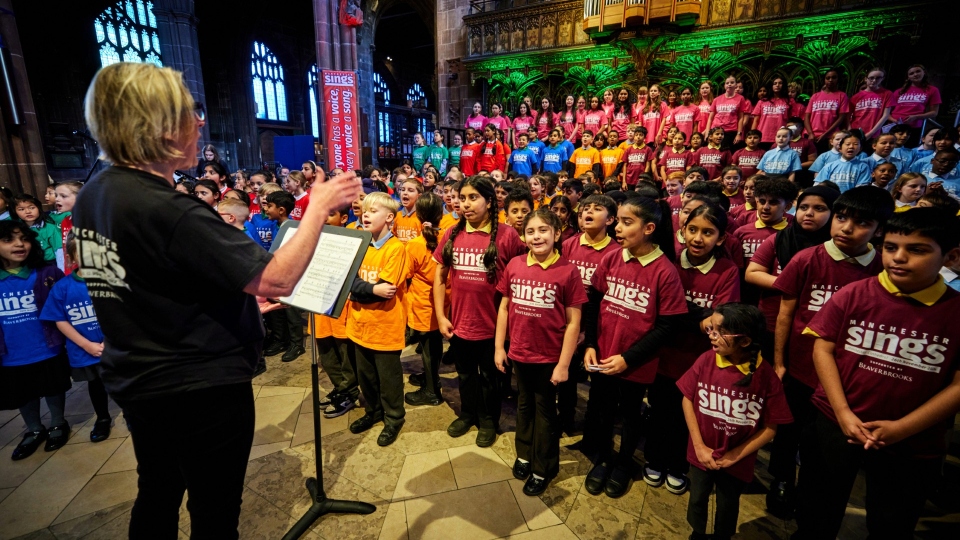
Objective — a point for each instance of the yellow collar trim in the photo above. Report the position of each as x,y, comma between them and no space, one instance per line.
599,245
749,206
21,272
680,237
486,228
779,226
646,259
703,268
743,368
927,297
837,255
531,260
731,194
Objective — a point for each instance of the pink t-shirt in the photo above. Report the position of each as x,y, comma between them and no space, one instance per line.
636,112
619,122
867,107
727,414
594,121
824,109
473,308
893,355
538,300
705,108
772,115
812,277
502,122
586,258
520,125
633,297
651,121
726,111
568,121
684,117
914,101
544,124
720,285
673,162
476,122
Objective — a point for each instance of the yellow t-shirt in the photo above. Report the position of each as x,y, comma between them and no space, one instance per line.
381,326
329,327
584,159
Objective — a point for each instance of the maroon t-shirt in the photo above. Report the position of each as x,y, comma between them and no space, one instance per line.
747,160
633,297
766,256
812,277
718,286
538,300
635,162
737,199
586,258
727,414
673,162
893,354
805,147
745,240
473,308
676,203
713,160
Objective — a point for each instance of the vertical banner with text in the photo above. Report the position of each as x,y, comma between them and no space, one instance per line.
341,119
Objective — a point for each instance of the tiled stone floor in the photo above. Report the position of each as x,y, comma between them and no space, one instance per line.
426,485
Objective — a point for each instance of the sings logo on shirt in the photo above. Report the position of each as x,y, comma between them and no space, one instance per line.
773,110
100,264
870,103
627,294
466,152
526,292
710,159
735,407
17,303
748,161
676,163
896,345
551,158
683,117
701,299
820,294
637,158
405,234
468,260
750,246
518,157
824,106
727,108
81,314
586,271
912,97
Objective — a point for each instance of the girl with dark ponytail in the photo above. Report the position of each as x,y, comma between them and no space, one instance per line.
732,403
472,256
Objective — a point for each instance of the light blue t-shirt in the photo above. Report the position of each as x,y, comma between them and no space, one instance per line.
905,155
777,161
22,331
846,174
925,165
824,158
69,301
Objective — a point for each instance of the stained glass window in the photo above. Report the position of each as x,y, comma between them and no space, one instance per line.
268,91
415,94
312,80
380,89
128,30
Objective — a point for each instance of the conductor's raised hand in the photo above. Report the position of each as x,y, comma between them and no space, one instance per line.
336,192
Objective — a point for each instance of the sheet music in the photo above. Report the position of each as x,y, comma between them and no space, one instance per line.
319,288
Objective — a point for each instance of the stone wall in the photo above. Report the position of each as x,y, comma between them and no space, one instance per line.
455,94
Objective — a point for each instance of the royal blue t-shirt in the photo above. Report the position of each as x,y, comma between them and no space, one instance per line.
252,234
524,161
265,230
554,158
69,301
22,331
537,147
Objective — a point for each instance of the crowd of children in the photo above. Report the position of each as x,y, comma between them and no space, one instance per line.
727,277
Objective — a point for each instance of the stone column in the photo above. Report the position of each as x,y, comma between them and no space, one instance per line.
23,167
455,95
177,29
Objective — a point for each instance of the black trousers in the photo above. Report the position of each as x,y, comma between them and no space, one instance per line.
479,382
729,490
567,390
198,442
431,346
666,446
897,486
538,431
286,325
783,453
610,394
337,358
381,381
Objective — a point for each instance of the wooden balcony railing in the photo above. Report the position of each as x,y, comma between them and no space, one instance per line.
603,15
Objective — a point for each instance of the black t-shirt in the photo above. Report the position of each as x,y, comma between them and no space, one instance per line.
166,276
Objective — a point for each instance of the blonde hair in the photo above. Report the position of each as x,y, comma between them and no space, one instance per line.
380,198
902,181
413,180
268,188
138,113
298,177
235,208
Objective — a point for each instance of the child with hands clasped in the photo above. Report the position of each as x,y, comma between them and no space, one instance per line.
471,256
542,295
732,402
636,299
886,356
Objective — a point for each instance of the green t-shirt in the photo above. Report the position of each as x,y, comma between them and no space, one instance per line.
438,157
455,155
58,217
50,239
419,158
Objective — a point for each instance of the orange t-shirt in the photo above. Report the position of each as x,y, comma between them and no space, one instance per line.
329,327
406,228
583,160
448,221
353,225
609,159
381,326
421,269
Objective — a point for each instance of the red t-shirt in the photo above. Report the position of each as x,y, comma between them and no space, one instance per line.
867,107
491,156
713,160
468,159
805,147
538,301
473,308
720,285
673,162
772,115
727,414
66,225
633,297
812,277
254,206
913,101
726,111
684,116
635,162
476,122
746,159
824,109
543,124
586,258
893,355
766,256
651,121
594,121
300,206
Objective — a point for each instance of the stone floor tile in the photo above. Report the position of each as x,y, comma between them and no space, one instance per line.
124,459
304,431
79,527
557,532
395,524
261,450
425,474
43,534
535,513
663,515
592,518
351,526
267,391
276,418
13,473
473,466
359,459
82,433
478,513
102,491
4,492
